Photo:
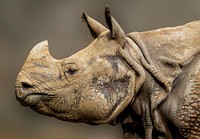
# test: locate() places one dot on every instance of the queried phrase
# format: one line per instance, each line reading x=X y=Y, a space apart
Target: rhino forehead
x=99 y=47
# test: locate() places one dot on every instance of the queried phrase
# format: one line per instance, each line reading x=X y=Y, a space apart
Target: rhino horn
x=94 y=26
x=117 y=32
x=39 y=51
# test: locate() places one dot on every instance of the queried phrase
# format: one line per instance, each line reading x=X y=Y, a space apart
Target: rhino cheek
x=94 y=108
x=66 y=104
x=101 y=101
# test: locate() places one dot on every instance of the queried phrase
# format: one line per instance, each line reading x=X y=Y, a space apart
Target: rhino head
x=92 y=86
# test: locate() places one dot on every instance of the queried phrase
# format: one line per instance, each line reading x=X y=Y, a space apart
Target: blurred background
x=24 y=23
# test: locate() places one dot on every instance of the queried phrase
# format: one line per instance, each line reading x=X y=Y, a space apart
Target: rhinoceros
x=149 y=82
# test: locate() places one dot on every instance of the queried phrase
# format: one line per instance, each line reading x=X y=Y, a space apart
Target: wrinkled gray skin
x=148 y=82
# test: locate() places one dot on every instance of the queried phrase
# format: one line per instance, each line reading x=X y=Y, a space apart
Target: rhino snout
x=27 y=94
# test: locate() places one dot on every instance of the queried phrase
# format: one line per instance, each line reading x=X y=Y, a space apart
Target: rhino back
x=170 y=48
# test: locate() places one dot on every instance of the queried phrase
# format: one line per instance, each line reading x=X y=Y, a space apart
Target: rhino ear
x=94 y=26
x=117 y=32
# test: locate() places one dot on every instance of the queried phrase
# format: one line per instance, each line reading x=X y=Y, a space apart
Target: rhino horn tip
x=41 y=45
x=41 y=49
x=45 y=43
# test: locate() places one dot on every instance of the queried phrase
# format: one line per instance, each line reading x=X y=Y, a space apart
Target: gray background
x=24 y=23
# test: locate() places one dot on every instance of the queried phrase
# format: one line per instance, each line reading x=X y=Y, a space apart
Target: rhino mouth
x=32 y=99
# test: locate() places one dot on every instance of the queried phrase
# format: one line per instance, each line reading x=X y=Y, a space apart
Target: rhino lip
x=33 y=98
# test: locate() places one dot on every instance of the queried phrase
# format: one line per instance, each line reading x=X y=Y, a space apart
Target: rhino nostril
x=26 y=86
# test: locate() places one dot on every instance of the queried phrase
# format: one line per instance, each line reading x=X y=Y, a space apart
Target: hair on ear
x=92 y=32
x=94 y=26
x=109 y=20
x=116 y=31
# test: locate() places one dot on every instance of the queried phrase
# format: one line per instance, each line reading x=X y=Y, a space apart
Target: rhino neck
x=142 y=102
x=143 y=119
x=153 y=90
x=136 y=120
x=149 y=64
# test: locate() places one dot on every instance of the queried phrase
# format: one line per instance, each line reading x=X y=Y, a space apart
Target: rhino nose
x=22 y=89
x=26 y=85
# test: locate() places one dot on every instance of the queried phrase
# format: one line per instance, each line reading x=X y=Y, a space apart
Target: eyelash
x=71 y=71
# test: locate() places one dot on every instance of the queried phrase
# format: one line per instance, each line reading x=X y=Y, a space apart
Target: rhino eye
x=71 y=71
